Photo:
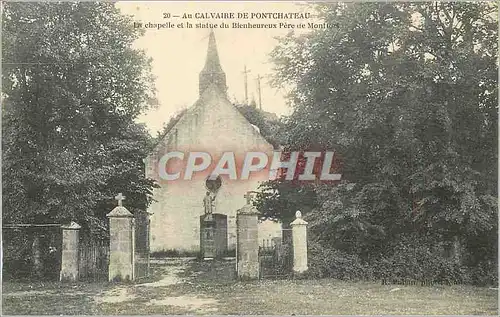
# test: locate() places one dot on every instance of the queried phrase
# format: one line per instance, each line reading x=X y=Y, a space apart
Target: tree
x=72 y=89
x=170 y=124
x=267 y=127
x=407 y=95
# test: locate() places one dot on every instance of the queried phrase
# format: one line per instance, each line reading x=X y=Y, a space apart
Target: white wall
x=212 y=125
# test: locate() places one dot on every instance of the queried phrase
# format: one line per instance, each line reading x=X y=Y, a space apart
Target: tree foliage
x=406 y=94
x=72 y=89
x=267 y=127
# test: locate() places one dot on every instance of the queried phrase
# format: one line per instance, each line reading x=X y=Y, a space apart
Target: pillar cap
x=71 y=226
x=298 y=219
x=247 y=210
x=120 y=212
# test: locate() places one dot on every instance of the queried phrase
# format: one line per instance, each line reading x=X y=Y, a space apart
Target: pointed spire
x=212 y=63
x=212 y=72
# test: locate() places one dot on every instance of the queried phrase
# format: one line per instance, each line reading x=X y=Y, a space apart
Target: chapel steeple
x=212 y=73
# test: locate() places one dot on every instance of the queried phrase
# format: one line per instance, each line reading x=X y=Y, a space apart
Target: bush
x=336 y=264
x=484 y=274
x=409 y=260
x=421 y=264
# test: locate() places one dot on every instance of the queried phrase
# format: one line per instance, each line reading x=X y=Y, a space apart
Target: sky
x=179 y=54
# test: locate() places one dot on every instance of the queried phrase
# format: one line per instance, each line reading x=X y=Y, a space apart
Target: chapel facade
x=212 y=125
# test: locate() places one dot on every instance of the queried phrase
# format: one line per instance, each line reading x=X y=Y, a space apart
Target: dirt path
x=157 y=293
x=190 y=287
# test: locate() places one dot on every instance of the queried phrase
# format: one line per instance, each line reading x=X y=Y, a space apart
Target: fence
x=141 y=248
x=34 y=251
x=31 y=251
x=93 y=254
x=276 y=258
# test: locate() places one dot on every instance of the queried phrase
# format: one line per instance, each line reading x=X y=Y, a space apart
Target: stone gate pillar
x=247 y=248
x=121 y=243
x=69 y=254
x=299 y=233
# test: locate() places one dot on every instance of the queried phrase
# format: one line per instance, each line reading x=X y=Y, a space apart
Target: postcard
x=250 y=158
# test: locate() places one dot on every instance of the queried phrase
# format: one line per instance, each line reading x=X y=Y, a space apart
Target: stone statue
x=209 y=203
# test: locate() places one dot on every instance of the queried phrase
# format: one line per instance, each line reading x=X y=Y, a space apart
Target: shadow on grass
x=50 y=298
x=210 y=271
x=216 y=282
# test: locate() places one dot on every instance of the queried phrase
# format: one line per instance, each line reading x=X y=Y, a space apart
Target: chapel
x=212 y=125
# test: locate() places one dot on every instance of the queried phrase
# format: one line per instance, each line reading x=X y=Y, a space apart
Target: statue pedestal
x=207 y=239
x=213 y=235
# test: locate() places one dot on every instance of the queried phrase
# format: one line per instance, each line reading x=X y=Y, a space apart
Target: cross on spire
x=211 y=30
x=120 y=198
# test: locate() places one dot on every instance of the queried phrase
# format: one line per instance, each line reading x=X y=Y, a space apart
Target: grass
x=210 y=288
x=54 y=298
